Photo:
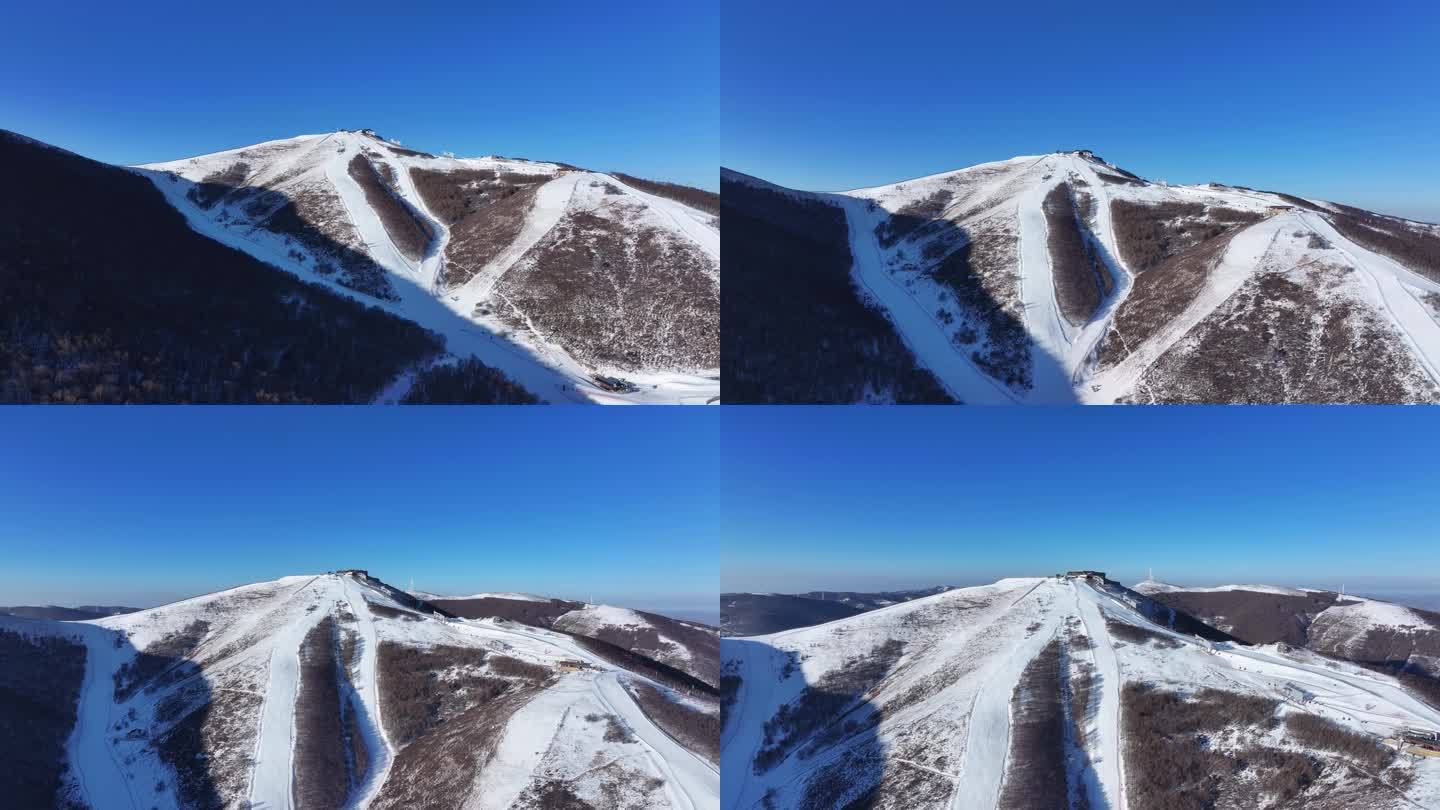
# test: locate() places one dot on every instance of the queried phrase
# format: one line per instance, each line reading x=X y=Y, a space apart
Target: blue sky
x=881 y=498
x=140 y=506
x=1323 y=99
x=630 y=86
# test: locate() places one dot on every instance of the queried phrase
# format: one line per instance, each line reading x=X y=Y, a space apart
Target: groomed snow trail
x=366 y=684
x=1240 y=262
x=1392 y=285
x=982 y=770
x=1105 y=754
x=535 y=361
x=691 y=783
x=927 y=338
x=272 y=776
x=741 y=736
x=98 y=772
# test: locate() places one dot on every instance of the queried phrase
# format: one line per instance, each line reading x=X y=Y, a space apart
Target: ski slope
x=252 y=649
x=316 y=167
x=271 y=779
x=945 y=706
x=1064 y=362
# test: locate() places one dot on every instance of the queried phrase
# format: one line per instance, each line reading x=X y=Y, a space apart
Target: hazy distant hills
x=80 y=613
x=750 y=614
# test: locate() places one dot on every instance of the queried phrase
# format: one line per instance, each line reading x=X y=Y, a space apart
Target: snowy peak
x=338 y=689
x=1064 y=278
x=998 y=695
x=686 y=647
x=577 y=285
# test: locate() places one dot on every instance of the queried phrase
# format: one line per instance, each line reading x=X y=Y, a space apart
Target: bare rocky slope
x=337 y=690
x=1064 y=278
x=1059 y=692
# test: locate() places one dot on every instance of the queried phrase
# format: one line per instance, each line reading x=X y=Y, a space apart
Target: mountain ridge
x=1066 y=691
x=339 y=689
x=1064 y=278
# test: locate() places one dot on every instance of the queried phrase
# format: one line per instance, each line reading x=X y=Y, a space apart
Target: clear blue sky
x=881 y=498
x=627 y=86
x=1324 y=99
x=139 y=506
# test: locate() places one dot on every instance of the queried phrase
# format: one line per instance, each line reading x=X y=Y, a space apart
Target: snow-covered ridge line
x=1006 y=199
x=311 y=174
x=945 y=706
x=250 y=641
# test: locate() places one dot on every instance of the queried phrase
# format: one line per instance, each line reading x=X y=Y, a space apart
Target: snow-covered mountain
x=1064 y=278
x=1057 y=692
x=575 y=284
x=751 y=614
x=688 y=647
x=1355 y=628
x=338 y=690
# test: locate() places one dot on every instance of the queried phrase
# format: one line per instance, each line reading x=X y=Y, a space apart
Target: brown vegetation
x=420 y=688
x=410 y=233
x=40 y=680
x=699 y=199
x=317 y=220
x=1318 y=732
x=1158 y=296
x=1139 y=635
x=618 y=293
x=975 y=275
x=454 y=195
x=219 y=183
x=1170 y=763
x=164 y=661
x=695 y=729
x=1078 y=272
x=477 y=240
x=639 y=664
x=912 y=216
x=1251 y=616
x=823 y=710
x=1254 y=349
x=439 y=768
x=1413 y=247
x=796 y=330
x=525 y=611
x=201 y=749
x=1036 y=775
x=1150 y=233
x=321 y=775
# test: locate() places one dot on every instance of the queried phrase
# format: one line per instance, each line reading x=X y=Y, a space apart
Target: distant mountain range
x=750 y=614
x=79 y=613
x=342 y=267
x=1063 y=278
x=338 y=690
x=1074 y=691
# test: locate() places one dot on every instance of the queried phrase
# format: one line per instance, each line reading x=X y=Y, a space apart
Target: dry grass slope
x=409 y=233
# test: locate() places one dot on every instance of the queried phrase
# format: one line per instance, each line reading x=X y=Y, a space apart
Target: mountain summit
x=338 y=690
x=1065 y=691
x=563 y=278
x=1064 y=278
